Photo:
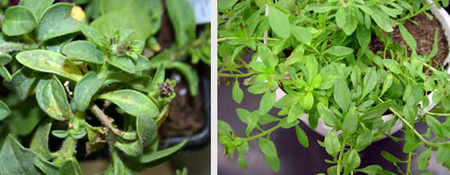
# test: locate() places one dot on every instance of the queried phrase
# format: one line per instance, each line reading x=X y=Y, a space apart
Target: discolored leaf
x=49 y=62
x=52 y=99
x=132 y=102
x=56 y=22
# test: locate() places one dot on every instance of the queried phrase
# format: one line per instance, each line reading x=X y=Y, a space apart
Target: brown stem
x=106 y=121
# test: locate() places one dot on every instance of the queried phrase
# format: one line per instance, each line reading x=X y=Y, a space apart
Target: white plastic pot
x=443 y=17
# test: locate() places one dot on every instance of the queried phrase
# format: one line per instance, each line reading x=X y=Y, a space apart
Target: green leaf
x=434 y=125
x=267 y=56
x=132 y=102
x=83 y=51
x=442 y=154
x=370 y=81
x=308 y=101
x=162 y=155
x=52 y=98
x=190 y=74
x=183 y=20
x=381 y=19
x=424 y=159
x=270 y=153
x=128 y=18
x=332 y=145
x=85 y=89
x=223 y=5
x=351 y=121
x=60 y=133
x=341 y=17
x=339 y=51
x=133 y=148
x=56 y=22
x=15 y=159
x=294 y=113
x=372 y=169
x=377 y=111
x=342 y=94
x=22 y=82
x=70 y=167
x=392 y=65
x=363 y=35
x=49 y=62
x=363 y=141
x=39 y=143
x=389 y=157
x=353 y=161
x=301 y=136
x=279 y=22
x=267 y=102
x=237 y=93
x=302 y=34
x=18 y=20
x=287 y=101
x=117 y=167
x=409 y=39
x=328 y=116
x=387 y=83
x=37 y=7
x=94 y=36
x=4 y=110
x=146 y=129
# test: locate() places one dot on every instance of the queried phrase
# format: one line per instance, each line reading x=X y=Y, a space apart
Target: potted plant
x=85 y=79
x=355 y=71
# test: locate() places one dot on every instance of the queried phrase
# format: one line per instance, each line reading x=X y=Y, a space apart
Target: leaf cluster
x=317 y=53
x=81 y=72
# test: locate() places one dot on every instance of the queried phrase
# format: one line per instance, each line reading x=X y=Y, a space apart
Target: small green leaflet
x=57 y=21
x=409 y=39
x=302 y=34
x=85 y=90
x=267 y=102
x=342 y=94
x=84 y=51
x=4 y=110
x=279 y=22
x=161 y=155
x=351 y=121
x=332 y=145
x=270 y=152
x=237 y=93
x=301 y=136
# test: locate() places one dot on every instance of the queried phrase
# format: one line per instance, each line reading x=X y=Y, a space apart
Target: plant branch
x=263 y=133
x=106 y=121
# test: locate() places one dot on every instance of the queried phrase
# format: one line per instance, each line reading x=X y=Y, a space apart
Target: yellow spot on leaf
x=77 y=13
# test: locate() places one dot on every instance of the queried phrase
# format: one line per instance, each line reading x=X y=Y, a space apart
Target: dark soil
x=423 y=32
x=185 y=112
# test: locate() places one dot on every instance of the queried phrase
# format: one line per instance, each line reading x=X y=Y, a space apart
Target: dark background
x=294 y=158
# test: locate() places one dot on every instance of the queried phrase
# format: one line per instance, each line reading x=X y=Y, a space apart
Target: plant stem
x=235 y=38
x=263 y=133
x=236 y=75
x=433 y=144
x=106 y=121
x=68 y=148
x=408 y=169
x=423 y=9
x=341 y=155
x=436 y=114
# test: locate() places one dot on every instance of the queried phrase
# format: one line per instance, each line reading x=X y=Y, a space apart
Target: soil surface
x=185 y=112
x=423 y=32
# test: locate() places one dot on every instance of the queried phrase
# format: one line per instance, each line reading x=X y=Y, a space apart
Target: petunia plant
x=77 y=82
x=318 y=54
